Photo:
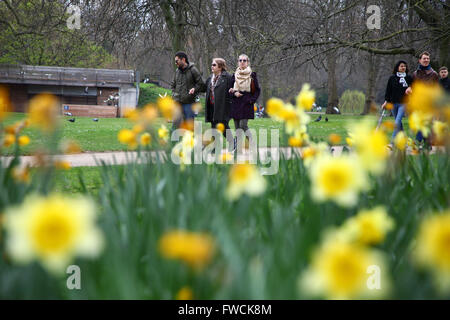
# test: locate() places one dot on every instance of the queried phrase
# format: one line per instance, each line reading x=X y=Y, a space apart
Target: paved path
x=91 y=159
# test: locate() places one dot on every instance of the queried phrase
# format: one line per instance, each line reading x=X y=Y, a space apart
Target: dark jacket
x=220 y=110
x=395 y=91
x=184 y=81
x=243 y=107
x=426 y=75
x=445 y=83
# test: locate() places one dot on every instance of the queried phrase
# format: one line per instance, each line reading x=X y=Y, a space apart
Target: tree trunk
x=174 y=15
x=333 y=99
x=371 y=83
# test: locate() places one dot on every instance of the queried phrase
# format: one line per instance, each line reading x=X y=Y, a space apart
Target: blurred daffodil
x=52 y=229
x=369 y=227
x=43 y=112
x=337 y=178
x=194 y=249
x=433 y=248
x=146 y=139
x=163 y=133
x=8 y=140
x=169 y=108
x=23 y=140
x=306 y=98
x=370 y=145
x=185 y=293
x=339 y=270
x=21 y=174
x=128 y=137
x=245 y=178
x=400 y=141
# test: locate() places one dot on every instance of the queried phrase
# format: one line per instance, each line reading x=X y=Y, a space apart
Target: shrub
x=352 y=101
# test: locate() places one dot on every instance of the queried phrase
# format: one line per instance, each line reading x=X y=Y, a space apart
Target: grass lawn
x=102 y=135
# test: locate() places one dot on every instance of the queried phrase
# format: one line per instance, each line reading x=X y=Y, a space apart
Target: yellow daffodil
x=306 y=98
x=43 y=112
x=369 y=227
x=400 y=141
x=388 y=125
x=245 y=178
x=294 y=119
x=350 y=140
x=337 y=178
x=13 y=128
x=23 y=140
x=62 y=165
x=197 y=107
x=423 y=98
x=220 y=127
x=334 y=139
x=163 y=133
x=370 y=146
x=185 y=293
x=226 y=157
x=295 y=142
x=441 y=132
x=187 y=125
x=420 y=121
x=52 y=229
x=70 y=147
x=194 y=249
x=8 y=140
x=146 y=139
x=21 y=174
x=131 y=114
x=138 y=128
x=339 y=270
x=274 y=107
x=182 y=151
x=433 y=248
x=127 y=137
x=149 y=113
x=168 y=107
x=313 y=151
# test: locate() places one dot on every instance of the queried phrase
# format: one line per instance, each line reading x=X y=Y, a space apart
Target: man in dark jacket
x=426 y=74
x=445 y=83
x=186 y=85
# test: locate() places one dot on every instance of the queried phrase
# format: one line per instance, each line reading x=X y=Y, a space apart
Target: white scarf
x=242 y=80
x=402 y=81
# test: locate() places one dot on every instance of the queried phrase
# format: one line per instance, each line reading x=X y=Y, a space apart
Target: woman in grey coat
x=218 y=99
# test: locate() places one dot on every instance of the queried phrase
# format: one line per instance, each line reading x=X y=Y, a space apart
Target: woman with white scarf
x=245 y=92
x=395 y=93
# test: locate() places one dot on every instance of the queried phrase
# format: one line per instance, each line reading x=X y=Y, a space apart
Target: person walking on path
x=445 y=83
x=186 y=85
x=425 y=74
x=218 y=99
x=397 y=85
x=245 y=92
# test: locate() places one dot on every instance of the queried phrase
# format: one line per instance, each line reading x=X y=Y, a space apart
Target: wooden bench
x=93 y=111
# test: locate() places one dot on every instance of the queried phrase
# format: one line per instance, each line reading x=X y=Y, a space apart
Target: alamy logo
x=374 y=21
x=74 y=21
x=74 y=280
x=374 y=280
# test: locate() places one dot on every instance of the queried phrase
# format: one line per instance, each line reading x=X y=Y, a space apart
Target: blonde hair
x=245 y=56
x=221 y=63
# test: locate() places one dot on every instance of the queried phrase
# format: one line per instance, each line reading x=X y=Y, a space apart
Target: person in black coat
x=395 y=93
x=443 y=75
x=218 y=99
x=245 y=92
